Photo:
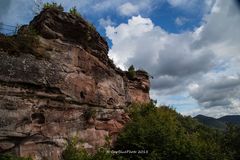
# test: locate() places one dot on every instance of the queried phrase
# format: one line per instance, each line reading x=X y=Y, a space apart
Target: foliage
x=24 y=42
x=74 y=12
x=102 y=154
x=53 y=5
x=131 y=72
x=73 y=152
x=231 y=142
x=162 y=134
x=39 y=6
x=91 y=26
x=12 y=157
x=166 y=135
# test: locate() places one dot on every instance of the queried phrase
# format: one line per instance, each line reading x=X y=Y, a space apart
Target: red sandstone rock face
x=75 y=91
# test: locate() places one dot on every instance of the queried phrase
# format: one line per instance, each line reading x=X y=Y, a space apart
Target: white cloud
x=181 y=3
x=122 y=36
x=128 y=9
x=154 y=49
x=179 y=62
x=192 y=6
x=203 y=64
x=181 y=21
x=10 y=12
x=106 y=22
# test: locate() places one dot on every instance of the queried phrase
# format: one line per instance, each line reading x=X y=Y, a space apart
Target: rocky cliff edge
x=61 y=84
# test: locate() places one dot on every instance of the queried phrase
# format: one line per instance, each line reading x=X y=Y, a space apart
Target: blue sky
x=191 y=48
x=161 y=12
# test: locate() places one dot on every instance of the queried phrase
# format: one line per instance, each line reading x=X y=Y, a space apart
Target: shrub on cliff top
x=74 y=12
x=131 y=72
x=53 y=5
x=24 y=42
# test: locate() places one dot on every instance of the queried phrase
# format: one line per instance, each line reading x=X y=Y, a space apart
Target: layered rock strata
x=68 y=88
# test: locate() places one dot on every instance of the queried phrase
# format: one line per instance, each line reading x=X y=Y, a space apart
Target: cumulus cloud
x=217 y=90
x=105 y=22
x=134 y=7
x=202 y=64
x=141 y=43
x=128 y=9
x=220 y=29
x=181 y=21
x=200 y=67
x=182 y=3
x=193 y=5
x=10 y=12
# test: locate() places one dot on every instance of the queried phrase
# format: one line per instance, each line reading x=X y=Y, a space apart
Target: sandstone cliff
x=60 y=87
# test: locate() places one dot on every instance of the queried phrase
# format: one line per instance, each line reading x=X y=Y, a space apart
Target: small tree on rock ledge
x=131 y=72
x=74 y=11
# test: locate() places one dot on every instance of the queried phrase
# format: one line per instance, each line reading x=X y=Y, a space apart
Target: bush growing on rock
x=53 y=5
x=73 y=152
x=25 y=41
x=131 y=72
x=74 y=12
x=12 y=157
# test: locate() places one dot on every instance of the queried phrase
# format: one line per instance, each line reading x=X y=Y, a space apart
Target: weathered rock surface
x=75 y=90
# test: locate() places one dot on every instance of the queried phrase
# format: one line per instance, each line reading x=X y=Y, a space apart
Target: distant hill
x=210 y=121
x=233 y=119
x=219 y=123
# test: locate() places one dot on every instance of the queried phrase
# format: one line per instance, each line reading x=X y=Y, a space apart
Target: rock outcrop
x=67 y=88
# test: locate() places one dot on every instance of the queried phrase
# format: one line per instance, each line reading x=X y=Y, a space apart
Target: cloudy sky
x=191 y=48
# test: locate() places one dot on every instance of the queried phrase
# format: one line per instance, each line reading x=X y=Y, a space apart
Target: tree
x=53 y=5
x=167 y=135
x=12 y=157
x=74 y=12
x=131 y=72
x=39 y=6
x=72 y=152
x=231 y=142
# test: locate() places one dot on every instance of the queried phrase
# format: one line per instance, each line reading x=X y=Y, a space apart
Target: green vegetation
x=24 y=42
x=73 y=152
x=166 y=135
x=53 y=5
x=74 y=12
x=91 y=26
x=231 y=142
x=12 y=157
x=131 y=72
x=160 y=133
